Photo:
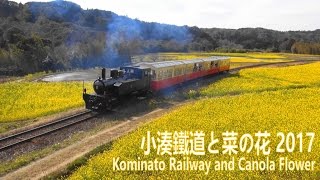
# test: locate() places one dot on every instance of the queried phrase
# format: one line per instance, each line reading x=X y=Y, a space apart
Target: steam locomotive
x=149 y=76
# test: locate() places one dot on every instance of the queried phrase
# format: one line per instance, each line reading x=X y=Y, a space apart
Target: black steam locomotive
x=122 y=82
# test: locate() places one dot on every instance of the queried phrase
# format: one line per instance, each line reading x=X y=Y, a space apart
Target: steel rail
x=34 y=130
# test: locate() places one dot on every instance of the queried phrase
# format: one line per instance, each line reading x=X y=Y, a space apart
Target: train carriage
x=165 y=74
x=169 y=73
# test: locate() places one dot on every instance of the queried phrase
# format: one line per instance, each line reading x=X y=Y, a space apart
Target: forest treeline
x=305 y=48
x=39 y=36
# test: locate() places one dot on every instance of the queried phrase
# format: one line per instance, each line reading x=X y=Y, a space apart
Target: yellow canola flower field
x=27 y=100
x=266 y=55
x=293 y=105
x=254 y=60
x=263 y=79
x=255 y=55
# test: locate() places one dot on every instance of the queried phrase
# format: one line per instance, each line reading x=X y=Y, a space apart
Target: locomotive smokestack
x=103 y=73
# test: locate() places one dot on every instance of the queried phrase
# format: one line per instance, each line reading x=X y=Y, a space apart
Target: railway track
x=10 y=141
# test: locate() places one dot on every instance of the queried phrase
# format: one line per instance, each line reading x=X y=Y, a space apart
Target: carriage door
x=146 y=78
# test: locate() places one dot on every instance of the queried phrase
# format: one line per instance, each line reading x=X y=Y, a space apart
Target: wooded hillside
x=39 y=36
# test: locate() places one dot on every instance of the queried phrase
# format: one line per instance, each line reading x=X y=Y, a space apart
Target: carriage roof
x=163 y=64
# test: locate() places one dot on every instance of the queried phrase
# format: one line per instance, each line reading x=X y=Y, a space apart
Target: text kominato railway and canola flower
x=242 y=164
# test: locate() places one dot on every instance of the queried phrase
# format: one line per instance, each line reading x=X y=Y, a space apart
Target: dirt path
x=60 y=159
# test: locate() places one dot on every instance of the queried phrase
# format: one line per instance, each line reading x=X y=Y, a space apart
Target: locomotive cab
x=132 y=72
x=135 y=79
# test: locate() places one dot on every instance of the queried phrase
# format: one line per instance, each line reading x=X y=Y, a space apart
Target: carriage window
x=211 y=64
x=177 y=72
x=169 y=73
x=190 y=68
x=195 y=67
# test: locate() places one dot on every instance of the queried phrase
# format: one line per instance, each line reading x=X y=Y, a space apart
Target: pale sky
x=281 y=15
